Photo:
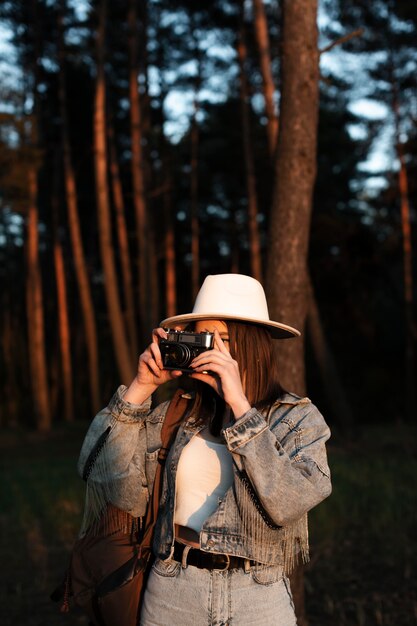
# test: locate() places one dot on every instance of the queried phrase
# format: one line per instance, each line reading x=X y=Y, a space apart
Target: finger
x=159 y=333
x=215 y=354
x=156 y=353
x=217 y=368
x=218 y=341
x=211 y=356
x=151 y=364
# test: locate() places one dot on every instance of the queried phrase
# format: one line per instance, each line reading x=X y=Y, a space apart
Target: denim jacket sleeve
x=284 y=458
x=125 y=421
x=124 y=468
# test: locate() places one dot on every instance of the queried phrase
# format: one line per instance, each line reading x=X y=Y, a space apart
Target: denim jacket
x=280 y=472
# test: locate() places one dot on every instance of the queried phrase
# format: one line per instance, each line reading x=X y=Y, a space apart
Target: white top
x=204 y=474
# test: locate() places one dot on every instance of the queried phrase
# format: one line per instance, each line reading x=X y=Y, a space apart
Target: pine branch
x=356 y=33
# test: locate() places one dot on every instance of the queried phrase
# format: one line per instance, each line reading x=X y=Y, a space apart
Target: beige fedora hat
x=232 y=297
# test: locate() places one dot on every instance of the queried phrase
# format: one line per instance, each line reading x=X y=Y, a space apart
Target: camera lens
x=177 y=355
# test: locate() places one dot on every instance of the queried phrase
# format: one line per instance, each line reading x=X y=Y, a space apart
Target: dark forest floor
x=363 y=569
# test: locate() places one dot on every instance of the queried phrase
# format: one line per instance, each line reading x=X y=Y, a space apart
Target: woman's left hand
x=221 y=373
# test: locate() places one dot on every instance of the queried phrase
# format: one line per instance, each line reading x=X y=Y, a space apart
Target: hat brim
x=276 y=329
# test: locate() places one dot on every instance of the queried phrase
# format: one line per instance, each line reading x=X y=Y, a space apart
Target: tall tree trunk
x=410 y=394
x=335 y=393
x=138 y=172
x=262 y=40
x=195 y=222
x=153 y=282
x=234 y=245
x=295 y=172
x=64 y=331
x=194 y=167
x=34 y=295
x=9 y=388
x=254 y=243
x=122 y=350
x=170 y=275
x=35 y=309
x=81 y=272
x=123 y=240
x=324 y=358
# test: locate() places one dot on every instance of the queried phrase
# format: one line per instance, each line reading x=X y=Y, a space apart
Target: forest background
x=144 y=145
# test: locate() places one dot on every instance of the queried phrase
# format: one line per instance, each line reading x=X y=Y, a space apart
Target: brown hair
x=251 y=346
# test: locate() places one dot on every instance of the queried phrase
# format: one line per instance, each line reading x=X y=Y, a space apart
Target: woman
x=247 y=464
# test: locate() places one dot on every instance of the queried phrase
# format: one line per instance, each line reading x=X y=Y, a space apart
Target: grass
x=363 y=538
x=41 y=501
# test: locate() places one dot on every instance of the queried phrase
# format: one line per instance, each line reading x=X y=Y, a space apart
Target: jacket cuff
x=247 y=427
x=127 y=411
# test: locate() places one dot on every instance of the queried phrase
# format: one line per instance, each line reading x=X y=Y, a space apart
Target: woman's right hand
x=150 y=367
x=150 y=372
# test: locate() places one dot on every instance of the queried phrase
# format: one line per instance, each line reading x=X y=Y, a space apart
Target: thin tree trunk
x=410 y=394
x=35 y=310
x=123 y=240
x=338 y=403
x=168 y=209
x=81 y=272
x=262 y=40
x=170 y=262
x=64 y=330
x=254 y=242
x=295 y=172
x=234 y=245
x=138 y=173
x=195 y=222
x=34 y=295
x=14 y=344
x=9 y=387
x=153 y=283
x=122 y=349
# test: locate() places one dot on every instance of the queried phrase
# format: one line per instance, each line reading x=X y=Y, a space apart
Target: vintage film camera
x=182 y=346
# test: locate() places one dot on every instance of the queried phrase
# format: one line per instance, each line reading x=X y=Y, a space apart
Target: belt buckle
x=223 y=569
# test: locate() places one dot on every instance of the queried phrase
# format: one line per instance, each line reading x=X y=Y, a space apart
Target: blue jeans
x=178 y=596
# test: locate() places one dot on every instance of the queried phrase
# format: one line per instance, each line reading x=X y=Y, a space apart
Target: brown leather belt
x=205 y=560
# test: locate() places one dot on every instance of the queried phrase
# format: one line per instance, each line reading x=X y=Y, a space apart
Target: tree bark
x=169 y=243
x=153 y=283
x=64 y=331
x=10 y=389
x=295 y=172
x=81 y=272
x=335 y=393
x=254 y=242
x=262 y=40
x=123 y=240
x=138 y=172
x=124 y=357
x=35 y=309
x=234 y=245
x=410 y=394
x=195 y=222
